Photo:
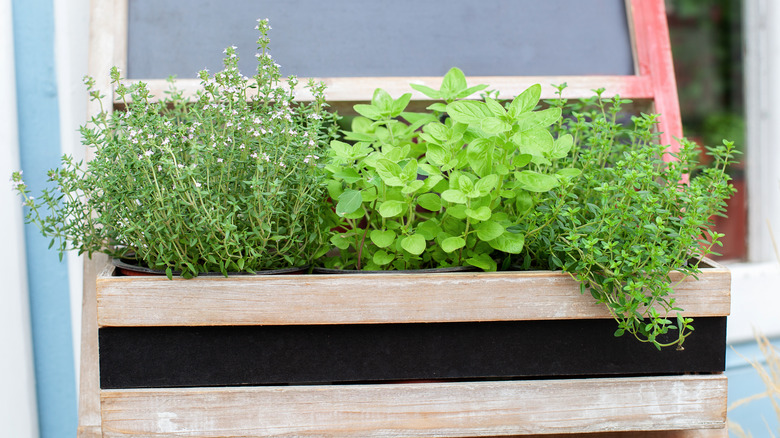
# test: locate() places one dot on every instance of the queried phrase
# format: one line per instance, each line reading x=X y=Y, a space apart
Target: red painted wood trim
x=654 y=58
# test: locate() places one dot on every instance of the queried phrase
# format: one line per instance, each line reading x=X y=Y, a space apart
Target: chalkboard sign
x=358 y=38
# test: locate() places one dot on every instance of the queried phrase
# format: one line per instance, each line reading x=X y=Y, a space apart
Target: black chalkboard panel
x=137 y=357
x=354 y=38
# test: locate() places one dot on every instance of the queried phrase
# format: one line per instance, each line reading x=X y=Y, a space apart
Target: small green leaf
x=392 y=208
x=521 y=160
x=382 y=101
x=451 y=244
x=454 y=196
x=428 y=91
x=349 y=201
x=479 y=154
x=483 y=261
x=494 y=125
x=429 y=201
x=453 y=83
x=382 y=258
x=414 y=244
x=523 y=202
x=341 y=150
x=436 y=155
x=368 y=111
x=400 y=104
x=535 y=181
x=457 y=211
x=340 y=241
x=412 y=187
x=508 y=242
x=349 y=175
x=382 y=238
x=536 y=142
x=480 y=214
x=438 y=106
x=468 y=111
x=471 y=90
x=409 y=171
x=489 y=230
x=429 y=229
x=495 y=107
x=525 y=101
x=486 y=184
x=436 y=130
x=562 y=146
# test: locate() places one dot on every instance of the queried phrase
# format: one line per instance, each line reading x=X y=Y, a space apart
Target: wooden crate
x=668 y=406
x=476 y=407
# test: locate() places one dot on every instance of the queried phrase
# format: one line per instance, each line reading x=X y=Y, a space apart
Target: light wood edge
x=361 y=89
x=375 y=298
x=701 y=433
x=687 y=402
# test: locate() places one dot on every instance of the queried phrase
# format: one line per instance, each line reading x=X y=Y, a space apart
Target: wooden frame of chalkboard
x=653 y=79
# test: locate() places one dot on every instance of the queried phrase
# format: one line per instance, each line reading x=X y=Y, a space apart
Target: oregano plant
x=445 y=187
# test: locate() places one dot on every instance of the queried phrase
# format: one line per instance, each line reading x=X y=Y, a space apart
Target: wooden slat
x=700 y=433
x=421 y=410
x=373 y=298
x=360 y=89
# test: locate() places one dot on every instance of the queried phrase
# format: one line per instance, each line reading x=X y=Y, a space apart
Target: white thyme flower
x=197 y=184
x=219 y=160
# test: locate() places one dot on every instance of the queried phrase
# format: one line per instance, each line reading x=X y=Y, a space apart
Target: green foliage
x=636 y=213
x=441 y=188
x=227 y=181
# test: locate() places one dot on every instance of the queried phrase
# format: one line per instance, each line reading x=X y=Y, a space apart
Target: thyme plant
x=636 y=213
x=226 y=181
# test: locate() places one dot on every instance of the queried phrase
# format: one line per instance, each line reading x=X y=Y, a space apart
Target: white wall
x=18 y=414
x=756 y=285
x=71 y=27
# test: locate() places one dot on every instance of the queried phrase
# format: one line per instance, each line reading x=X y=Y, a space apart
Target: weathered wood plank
x=359 y=89
x=373 y=298
x=701 y=433
x=421 y=410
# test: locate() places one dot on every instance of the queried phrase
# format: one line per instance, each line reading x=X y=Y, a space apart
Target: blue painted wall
x=39 y=143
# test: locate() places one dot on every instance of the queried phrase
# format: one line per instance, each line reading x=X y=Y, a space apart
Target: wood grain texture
x=373 y=298
x=421 y=410
x=700 y=433
x=361 y=89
